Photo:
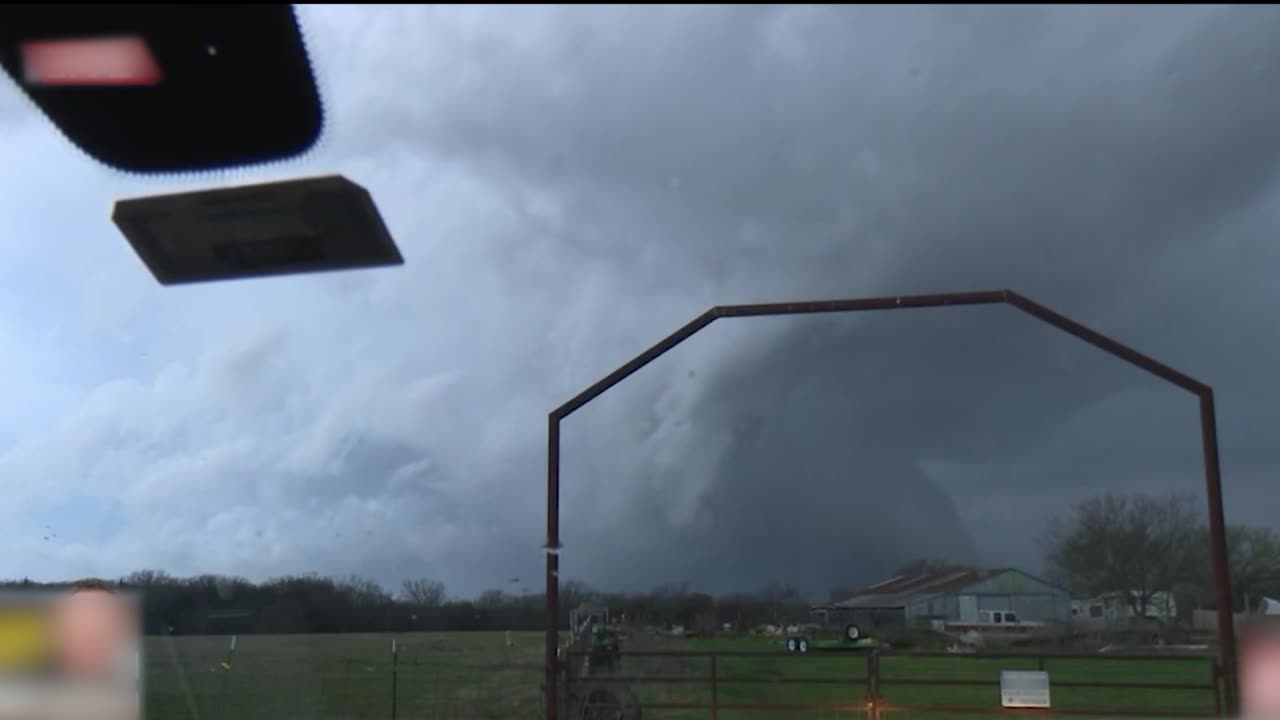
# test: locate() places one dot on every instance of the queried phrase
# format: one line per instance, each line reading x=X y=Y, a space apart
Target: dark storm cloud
x=992 y=133
x=1058 y=151
x=569 y=184
x=1091 y=158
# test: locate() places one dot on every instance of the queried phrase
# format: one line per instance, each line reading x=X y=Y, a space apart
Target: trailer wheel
x=793 y=644
x=802 y=645
x=852 y=633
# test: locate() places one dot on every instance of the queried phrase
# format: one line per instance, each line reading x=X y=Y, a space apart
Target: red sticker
x=94 y=61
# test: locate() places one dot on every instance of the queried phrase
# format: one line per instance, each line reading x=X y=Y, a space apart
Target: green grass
x=851 y=670
x=465 y=676
x=343 y=677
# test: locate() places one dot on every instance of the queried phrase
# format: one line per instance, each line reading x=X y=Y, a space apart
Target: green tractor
x=851 y=636
x=592 y=694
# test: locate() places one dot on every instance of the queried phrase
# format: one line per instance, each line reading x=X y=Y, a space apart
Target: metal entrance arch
x=1208 y=437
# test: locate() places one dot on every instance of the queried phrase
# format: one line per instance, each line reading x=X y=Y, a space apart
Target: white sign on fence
x=1024 y=689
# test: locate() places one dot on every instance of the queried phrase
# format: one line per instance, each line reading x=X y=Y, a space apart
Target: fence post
x=873 y=684
x=1215 y=671
x=394 y=667
x=226 y=670
x=715 y=692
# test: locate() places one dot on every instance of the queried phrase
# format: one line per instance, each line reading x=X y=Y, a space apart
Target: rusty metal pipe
x=1213 y=478
x=552 y=596
x=1221 y=559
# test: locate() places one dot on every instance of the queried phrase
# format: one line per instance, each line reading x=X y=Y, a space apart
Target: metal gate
x=763 y=684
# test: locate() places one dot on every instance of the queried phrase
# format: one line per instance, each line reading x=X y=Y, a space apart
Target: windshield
x=330 y=490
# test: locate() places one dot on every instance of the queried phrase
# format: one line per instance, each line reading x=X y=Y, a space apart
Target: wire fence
x=486 y=676
x=341 y=678
x=849 y=683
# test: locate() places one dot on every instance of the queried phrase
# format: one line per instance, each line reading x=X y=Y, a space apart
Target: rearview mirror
x=167 y=88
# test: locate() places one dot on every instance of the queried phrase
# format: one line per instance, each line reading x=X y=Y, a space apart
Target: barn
x=958 y=596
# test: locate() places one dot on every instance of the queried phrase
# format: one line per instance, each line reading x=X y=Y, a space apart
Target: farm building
x=961 y=596
x=1114 y=608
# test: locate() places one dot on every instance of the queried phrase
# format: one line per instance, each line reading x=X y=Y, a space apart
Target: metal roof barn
x=957 y=596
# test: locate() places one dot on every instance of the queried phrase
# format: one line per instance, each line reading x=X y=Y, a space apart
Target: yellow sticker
x=24 y=639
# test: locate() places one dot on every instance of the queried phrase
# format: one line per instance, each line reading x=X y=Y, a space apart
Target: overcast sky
x=569 y=185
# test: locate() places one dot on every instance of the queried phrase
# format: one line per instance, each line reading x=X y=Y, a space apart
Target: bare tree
x=573 y=592
x=1136 y=545
x=1255 y=564
x=363 y=590
x=424 y=592
x=148 y=578
x=782 y=602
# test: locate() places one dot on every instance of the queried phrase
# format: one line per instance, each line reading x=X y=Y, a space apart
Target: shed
x=953 y=596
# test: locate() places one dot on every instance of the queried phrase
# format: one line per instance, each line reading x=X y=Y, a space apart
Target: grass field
x=465 y=676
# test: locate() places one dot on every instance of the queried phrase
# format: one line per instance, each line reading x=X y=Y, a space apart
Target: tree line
x=1141 y=544
x=312 y=603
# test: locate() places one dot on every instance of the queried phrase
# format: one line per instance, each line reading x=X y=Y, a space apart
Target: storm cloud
x=569 y=185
